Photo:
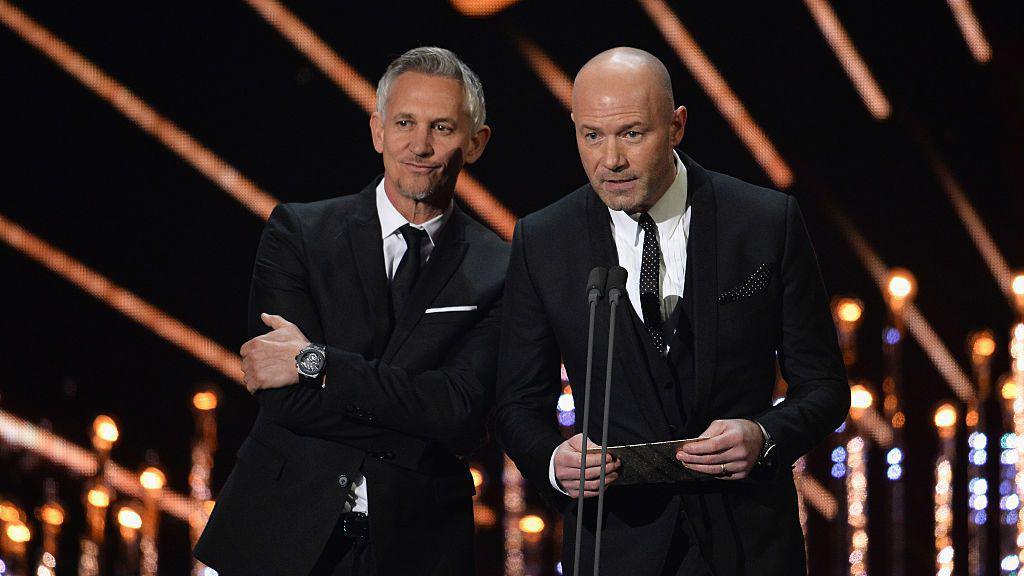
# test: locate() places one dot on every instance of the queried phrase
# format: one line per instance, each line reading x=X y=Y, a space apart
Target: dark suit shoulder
x=733 y=194
x=566 y=213
x=482 y=236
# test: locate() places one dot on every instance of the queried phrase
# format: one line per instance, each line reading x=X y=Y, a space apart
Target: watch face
x=311 y=362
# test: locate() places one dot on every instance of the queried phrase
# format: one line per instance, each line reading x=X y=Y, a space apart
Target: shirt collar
x=391 y=219
x=667 y=212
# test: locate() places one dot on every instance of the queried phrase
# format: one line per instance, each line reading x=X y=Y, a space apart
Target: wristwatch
x=766 y=459
x=311 y=360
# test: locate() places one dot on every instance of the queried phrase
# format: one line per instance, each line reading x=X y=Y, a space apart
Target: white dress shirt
x=394 y=249
x=672 y=216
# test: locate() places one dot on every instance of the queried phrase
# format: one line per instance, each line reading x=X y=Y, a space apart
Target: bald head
x=626 y=67
x=626 y=127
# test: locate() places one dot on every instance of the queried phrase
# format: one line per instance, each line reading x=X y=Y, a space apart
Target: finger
x=589 y=485
x=571 y=459
x=274 y=321
x=734 y=470
x=245 y=349
x=734 y=454
x=715 y=445
x=573 y=473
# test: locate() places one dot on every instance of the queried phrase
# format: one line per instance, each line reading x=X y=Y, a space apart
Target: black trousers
x=344 y=556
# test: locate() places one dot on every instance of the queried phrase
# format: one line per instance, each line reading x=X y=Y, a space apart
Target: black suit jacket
x=398 y=402
x=740 y=322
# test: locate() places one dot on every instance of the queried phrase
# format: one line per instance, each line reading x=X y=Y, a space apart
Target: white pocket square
x=450 y=309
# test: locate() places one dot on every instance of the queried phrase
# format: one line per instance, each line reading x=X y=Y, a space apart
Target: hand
x=268 y=361
x=567 y=467
x=728 y=449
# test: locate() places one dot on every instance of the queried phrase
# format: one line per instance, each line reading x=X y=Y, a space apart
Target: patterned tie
x=408 y=269
x=650 y=282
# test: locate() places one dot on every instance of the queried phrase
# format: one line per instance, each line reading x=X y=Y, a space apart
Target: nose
x=422 y=142
x=612 y=158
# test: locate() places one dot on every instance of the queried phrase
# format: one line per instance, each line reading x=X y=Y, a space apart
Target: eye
x=444 y=128
x=403 y=123
x=592 y=136
x=632 y=134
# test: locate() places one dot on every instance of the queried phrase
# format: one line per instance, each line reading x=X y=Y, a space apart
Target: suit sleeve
x=528 y=377
x=366 y=399
x=818 y=395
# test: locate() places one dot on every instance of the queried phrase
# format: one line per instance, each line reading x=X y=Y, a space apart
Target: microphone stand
x=616 y=286
x=595 y=290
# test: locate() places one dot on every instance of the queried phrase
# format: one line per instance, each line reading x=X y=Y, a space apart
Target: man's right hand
x=567 y=467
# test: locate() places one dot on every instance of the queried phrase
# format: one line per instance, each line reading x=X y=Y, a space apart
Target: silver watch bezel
x=305 y=353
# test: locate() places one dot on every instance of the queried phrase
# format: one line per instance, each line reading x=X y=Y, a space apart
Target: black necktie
x=650 y=281
x=408 y=269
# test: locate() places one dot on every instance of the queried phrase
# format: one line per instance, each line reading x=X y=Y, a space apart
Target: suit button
x=343 y=481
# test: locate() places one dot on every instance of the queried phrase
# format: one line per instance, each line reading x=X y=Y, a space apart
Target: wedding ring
x=724 y=471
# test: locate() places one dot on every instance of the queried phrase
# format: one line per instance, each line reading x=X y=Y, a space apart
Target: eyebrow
x=623 y=128
x=405 y=115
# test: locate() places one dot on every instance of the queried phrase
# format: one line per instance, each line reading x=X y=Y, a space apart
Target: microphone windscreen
x=616 y=279
x=596 y=281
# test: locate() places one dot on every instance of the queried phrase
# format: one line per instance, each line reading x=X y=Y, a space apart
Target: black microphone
x=595 y=291
x=615 y=287
x=595 y=283
x=616 y=284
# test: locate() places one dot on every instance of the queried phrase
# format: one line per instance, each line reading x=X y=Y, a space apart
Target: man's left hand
x=268 y=361
x=728 y=449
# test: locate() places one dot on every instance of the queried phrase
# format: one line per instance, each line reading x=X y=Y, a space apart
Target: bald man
x=722 y=280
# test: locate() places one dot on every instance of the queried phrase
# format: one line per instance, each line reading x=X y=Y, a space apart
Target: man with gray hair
x=374 y=328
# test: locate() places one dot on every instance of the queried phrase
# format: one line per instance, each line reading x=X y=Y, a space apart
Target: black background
x=84 y=178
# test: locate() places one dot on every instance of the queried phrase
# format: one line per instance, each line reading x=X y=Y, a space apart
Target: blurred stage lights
x=205 y=400
x=974 y=36
x=135 y=109
x=51 y=514
x=19 y=533
x=152 y=478
x=849 y=310
x=860 y=397
x=127 y=303
x=98 y=497
x=482 y=8
x=105 y=429
x=129 y=518
x=854 y=66
x=945 y=417
x=719 y=91
x=478 y=477
x=901 y=284
x=531 y=524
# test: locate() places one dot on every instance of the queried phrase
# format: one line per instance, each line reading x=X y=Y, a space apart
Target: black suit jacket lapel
x=628 y=347
x=702 y=259
x=444 y=261
x=367 y=251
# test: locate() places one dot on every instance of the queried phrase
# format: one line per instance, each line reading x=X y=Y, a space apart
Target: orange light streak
x=858 y=72
x=976 y=229
x=138 y=111
x=482 y=8
x=971 y=29
x=556 y=80
x=719 y=92
x=913 y=319
x=120 y=299
x=360 y=91
x=818 y=497
x=78 y=461
x=871 y=422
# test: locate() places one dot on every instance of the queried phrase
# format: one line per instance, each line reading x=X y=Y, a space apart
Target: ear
x=377 y=132
x=678 y=126
x=477 y=143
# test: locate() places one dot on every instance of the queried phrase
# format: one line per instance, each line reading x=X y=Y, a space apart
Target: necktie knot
x=648 y=225
x=413 y=236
